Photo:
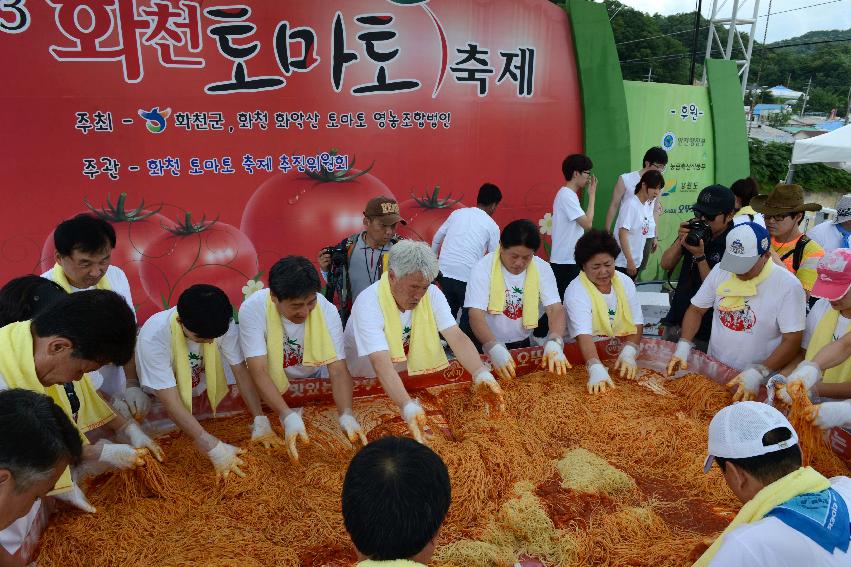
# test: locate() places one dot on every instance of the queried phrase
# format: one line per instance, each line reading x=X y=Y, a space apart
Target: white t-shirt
x=771 y=543
x=758 y=218
x=815 y=315
x=364 y=332
x=749 y=336
x=252 y=334
x=109 y=379
x=566 y=231
x=630 y=180
x=577 y=302
x=154 y=355
x=826 y=235
x=463 y=238
x=636 y=217
x=507 y=326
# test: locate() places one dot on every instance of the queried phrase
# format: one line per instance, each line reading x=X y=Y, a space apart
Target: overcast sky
x=829 y=15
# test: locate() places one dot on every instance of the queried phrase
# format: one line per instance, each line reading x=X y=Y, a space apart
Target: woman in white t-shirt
x=183 y=353
x=293 y=327
x=633 y=226
x=504 y=312
x=602 y=304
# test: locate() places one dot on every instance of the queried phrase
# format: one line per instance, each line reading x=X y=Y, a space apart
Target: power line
x=801 y=8
x=808 y=43
x=658 y=36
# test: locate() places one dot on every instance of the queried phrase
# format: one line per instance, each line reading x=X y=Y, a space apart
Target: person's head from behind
x=650 y=185
x=576 y=169
x=519 y=241
x=83 y=249
x=834 y=279
x=396 y=494
x=754 y=445
x=595 y=253
x=489 y=197
x=23 y=298
x=37 y=443
x=293 y=285
x=80 y=332
x=381 y=218
x=655 y=158
x=412 y=266
x=204 y=312
x=744 y=190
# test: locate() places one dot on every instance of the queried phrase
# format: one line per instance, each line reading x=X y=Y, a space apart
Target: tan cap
x=384 y=208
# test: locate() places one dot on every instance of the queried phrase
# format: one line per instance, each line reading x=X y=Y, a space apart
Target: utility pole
x=848 y=108
x=694 y=40
x=649 y=78
x=806 y=96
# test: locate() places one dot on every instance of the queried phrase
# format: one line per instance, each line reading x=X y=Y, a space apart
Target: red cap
x=834 y=275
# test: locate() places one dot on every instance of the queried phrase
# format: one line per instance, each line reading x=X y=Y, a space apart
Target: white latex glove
x=830 y=414
x=502 y=362
x=293 y=430
x=554 y=359
x=262 y=433
x=138 y=402
x=626 y=364
x=806 y=375
x=76 y=498
x=138 y=439
x=489 y=389
x=415 y=417
x=679 y=361
x=598 y=378
x=225 y=459
x=748 y=382
x=352 y=428
x=120 y=456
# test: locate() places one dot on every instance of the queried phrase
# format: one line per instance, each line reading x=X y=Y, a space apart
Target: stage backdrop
x=679 y=119
x=242 y=132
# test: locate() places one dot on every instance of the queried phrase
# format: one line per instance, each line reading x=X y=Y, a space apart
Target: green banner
x=677 y=118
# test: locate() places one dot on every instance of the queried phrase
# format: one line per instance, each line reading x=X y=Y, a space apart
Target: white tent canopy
x=833 y=149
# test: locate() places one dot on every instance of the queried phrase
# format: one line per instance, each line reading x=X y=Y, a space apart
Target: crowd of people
x=754 y=292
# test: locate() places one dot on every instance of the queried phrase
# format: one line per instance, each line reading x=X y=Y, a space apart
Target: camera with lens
x=338 y=254
x=698 y=230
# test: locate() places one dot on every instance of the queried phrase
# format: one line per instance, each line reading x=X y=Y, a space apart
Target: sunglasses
x=706 y=217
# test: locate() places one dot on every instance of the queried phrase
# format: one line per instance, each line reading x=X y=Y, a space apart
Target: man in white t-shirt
x=84 y=247
x=654 y=158
x=792 y=516
x=759 y=312
x=569 y=220
x=293 y=297
x=466 y=236
x=175 y=354
x=836 y=234
x=499 y=331
x=377 y=344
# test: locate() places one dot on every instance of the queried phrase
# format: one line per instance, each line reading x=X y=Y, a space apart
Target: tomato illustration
x=190 y=253
x=739 y=321
x=425 y=214
x=299 y=214
x=134 y=230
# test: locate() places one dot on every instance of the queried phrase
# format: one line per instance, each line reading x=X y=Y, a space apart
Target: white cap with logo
x=746 y=243
x=736 y=432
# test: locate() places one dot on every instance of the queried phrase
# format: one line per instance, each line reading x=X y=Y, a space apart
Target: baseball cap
x=384 y=208
x=714 y=200
x=736 y=432
x=843 y=209
x=834 y=274
x=746 y=243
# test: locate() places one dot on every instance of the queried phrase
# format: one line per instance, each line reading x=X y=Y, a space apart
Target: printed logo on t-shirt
x=406 y=338
x=645 y=227
x=612 y=313
x=739 y=321
x=513 y=303
x=195 y=363
x=293 y=353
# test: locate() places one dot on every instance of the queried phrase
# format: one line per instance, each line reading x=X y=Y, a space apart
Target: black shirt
x=690 y=282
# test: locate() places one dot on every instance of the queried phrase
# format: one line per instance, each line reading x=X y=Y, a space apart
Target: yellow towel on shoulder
x=802 y=481
x=733 y=290
x=425 y=353
x=59 y=277
x=214 y=372
x=823 y=336
x=601 y=325
x=531 y=291
x=318 y=347
x=18 y=369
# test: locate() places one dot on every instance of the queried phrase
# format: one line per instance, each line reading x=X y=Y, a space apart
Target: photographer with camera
x=358 y=261
x=700 y=245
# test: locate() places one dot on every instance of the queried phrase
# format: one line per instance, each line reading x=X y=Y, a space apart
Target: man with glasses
x=784 y=209
x=715 y=206
x=654 y=158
